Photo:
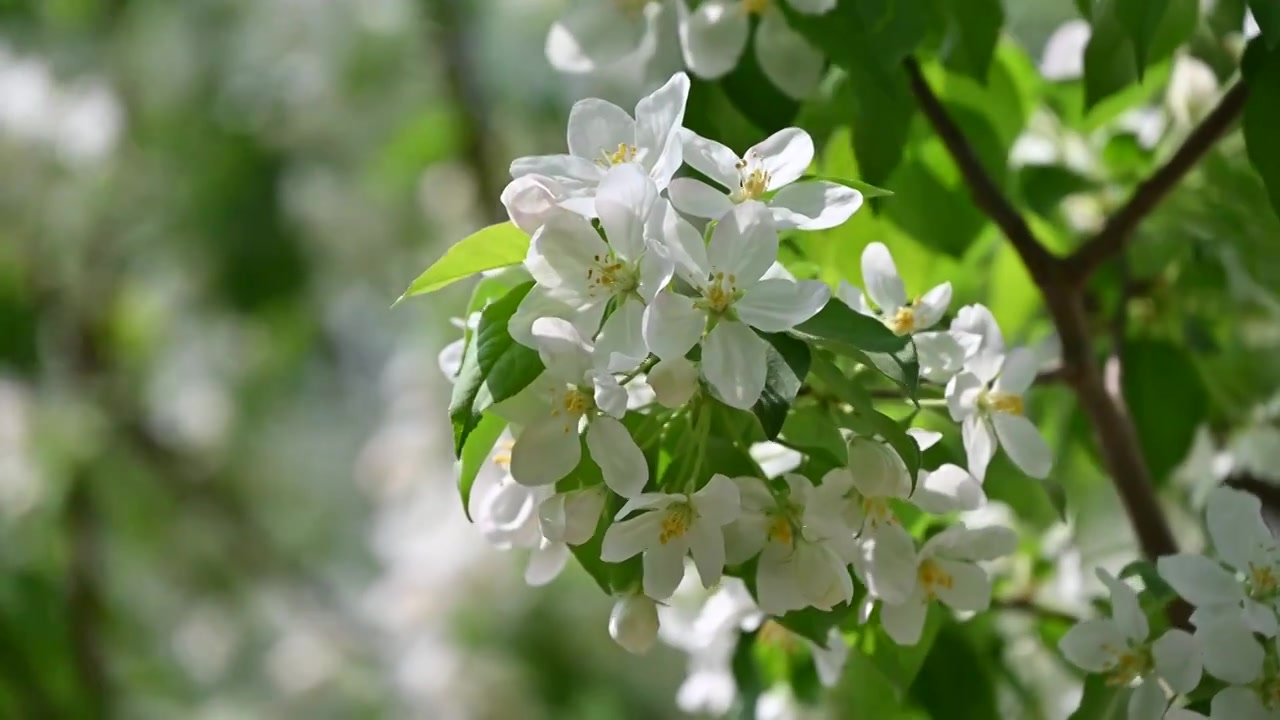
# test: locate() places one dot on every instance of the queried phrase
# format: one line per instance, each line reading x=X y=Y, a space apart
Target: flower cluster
x=1235 y=595
x=645 y=366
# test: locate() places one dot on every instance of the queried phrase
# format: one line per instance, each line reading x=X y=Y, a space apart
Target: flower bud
x=529 y=200
x=673 y=381
x=572 y=517
x=633 y=624
x=879 y=469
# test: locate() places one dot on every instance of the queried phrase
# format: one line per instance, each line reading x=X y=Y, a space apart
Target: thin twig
x=1119 y=228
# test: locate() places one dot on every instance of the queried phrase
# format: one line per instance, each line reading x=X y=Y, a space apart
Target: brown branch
x=1117 y=438
x=1117 y=232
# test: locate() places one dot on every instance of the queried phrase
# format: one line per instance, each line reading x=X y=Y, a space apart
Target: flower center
x=877 y=512
x=994 y=401
x=753 y=183
x=932 y=577
x=773 y=634
x=1263 y=581
x=502 y=458
x=611 y=275
x=903 y=321
x=755 y=7
x=570 y=405
x=624 y=154
x=1128 y=667
x=717 y=297
x=676 y=523
x=781 y=531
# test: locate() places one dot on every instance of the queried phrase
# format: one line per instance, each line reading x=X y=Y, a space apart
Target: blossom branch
x=1117 y=438
x=1119 y=228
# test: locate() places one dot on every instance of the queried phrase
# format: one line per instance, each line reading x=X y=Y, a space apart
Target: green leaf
x=1166 y=420
x=788 y=364
x=1111 y=57
x=1044 y=187
x=1261 y=117
x=867 y=189
x=814 y=624
x=811 y=431
x=475 y=453
x=746 y=674
x=1102 y=701
x=494 y=367
x=867 y=340
x=976 y=31
x=1140 y=20
x=1267 y=15
x=899 y=664
x=489 y=248
x=956 y=681
x=755 y=96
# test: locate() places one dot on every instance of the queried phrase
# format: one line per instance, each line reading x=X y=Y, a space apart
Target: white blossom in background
x=1248 y=587
x=1119 y=647
x=940 y=354
x=767 y=173
x=1192 y=91
x=944 y=568
x=571 y=391
x=714 y=35
x=633 y=623
x=593 y=34
x=669 y=527
x=733 y=302
x=602 y=135
x=1063 y=55
x=987 y=399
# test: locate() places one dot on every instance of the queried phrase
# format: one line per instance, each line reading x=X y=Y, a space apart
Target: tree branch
x=1117 y=438
x=1113 y=237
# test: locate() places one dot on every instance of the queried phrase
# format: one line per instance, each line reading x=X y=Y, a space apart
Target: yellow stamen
x=1127 y=667
x=624 y=154
x=932 y=577
x=775 y=635
x=781 y=530
x=676 y=523
x=877 y=512
x=719 y=296
x=1002 y=402
x=903 y=322
x=502 y=458
x=1262 y=579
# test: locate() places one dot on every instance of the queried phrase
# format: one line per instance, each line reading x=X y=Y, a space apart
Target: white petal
x=1093 y=645
x=1199 y=580
x=1238 y=703
x=890 y=564
x=633 y=623
x=1147 y=701
x=905 y=622
x=785 y=155
x=1230 y=652
x=852 y=296
x=779 y=305
x=542 y=303
x=925 y=439
x=626 y=539
x=699 y=199
x=735 y=363
x=712 y=159
x=931 y=307
x=545 y=563
x=530 y=200
x=948 y=489
x=663 y=569
x=684 y=244
x=877 y=470
x=744 y=244
x=565 y=354
x=880 y=277
x=674 y=381
x=1234 y=519
x=620 y=345
x=985 y=365
x=591 y=35
x=786 y=58
x=572 y=517
x=1024 y=444
x=978 y=320
x=712 y=37
x=814 y=205
x=830 y=660
x=1261 y=618
x=824 y=577
x=545 y=452
x=656 y=269
x=620 y=460
x=969 y=589
x=561 y=254
x=450 y=359
x=718 y=502
x=939 y=355
x=706 y=544
x=659 y=116
x=979 y=444
x=1125 y=609
x=597 y=127
x=745 y=537
x=813 y=7
x=623 y=201
x=776 y=582
x=648 y=501
x=610 y=397
x=672 y=325
x=1018 y=371
x=1177 y=658
x=960 y=542
x=575 y=174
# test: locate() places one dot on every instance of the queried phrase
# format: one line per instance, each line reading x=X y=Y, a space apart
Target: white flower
x=530 y=200
x=774 y=459
x=987 y=399
x=671 y=526
x=770 y=167
x=976 y=330
x=569 y=260
x=1119 y=647
x=804 y=548
x=940 y=355
x=592 y=35
x=944 y=569
x=602 y=135
x=674 y=381
x=1251 y=589
x=714 y=35
x=450 y=358
x=633 y=623
x=733 y=303
x=1232 y=653
x=573 y=389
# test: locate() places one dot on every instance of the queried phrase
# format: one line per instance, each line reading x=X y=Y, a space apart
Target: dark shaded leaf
x=1167 y=399
x=788 y=360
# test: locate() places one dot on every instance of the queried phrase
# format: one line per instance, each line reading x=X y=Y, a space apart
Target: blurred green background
x=225 y=478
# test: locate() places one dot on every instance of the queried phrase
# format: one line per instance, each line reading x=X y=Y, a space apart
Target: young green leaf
x=489 y=248
x=494 y=367
x=867 y=340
